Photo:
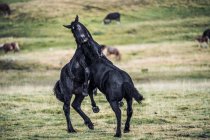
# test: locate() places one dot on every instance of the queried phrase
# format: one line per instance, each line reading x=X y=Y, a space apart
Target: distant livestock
x=111 y=51
x=7 y=47
x=112 y=16
x=206 y=33
x=5 y=9
x=204 y=39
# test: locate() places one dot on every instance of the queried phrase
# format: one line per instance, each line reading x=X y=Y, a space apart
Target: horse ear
x=67 y=26
x=77 y=18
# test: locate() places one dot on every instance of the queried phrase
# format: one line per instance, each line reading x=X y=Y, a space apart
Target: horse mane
x=86 y=30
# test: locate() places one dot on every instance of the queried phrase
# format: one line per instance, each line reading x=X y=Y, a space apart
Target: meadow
x=155 y=35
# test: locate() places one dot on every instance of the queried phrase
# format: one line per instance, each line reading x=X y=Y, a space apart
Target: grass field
x=154 y=35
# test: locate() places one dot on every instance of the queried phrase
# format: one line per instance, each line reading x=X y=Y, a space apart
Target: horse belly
x=78 y=72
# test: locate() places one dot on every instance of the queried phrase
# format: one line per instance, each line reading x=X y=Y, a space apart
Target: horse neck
x=88 y=52
x=77 y=52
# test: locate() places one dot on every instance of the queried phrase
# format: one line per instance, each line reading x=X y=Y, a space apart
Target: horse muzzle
x=83 y=40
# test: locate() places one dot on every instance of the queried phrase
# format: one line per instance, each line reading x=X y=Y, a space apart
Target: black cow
x=112 y=16
x=206 y=33
x=5 y=8
x=204 y=39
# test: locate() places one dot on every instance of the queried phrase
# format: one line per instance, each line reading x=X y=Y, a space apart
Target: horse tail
x=57 y=91
x=131 y=91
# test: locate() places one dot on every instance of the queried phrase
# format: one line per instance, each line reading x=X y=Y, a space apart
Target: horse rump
x=57 y=91
x=131 y=91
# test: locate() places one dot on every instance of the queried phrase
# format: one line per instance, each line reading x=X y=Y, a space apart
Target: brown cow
x=10 y=47
x=111 y=51
x=5 y=9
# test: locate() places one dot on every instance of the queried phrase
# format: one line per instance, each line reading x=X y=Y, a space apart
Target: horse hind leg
x=129 y=114
x=77 y=106
x=117 y=111
x=66 y=109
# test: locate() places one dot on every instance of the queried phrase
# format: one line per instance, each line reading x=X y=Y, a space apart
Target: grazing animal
x=112 y=16
x=5 y=9
x=73 y=80
x=206 y=33
x=10 y=47
x=111 y=51
x=204 y=39
x=113 y=82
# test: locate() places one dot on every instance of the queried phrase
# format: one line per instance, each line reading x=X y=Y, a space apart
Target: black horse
x=113 y=82
x=74 y=80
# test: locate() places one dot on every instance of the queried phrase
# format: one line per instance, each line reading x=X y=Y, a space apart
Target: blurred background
x=156 y=41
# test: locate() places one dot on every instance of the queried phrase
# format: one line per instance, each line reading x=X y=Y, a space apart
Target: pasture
x=154 y=35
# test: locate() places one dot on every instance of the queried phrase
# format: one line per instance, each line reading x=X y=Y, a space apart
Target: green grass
x=176 y=86
x=164 y=21
x=175 y=109
x=176 y=96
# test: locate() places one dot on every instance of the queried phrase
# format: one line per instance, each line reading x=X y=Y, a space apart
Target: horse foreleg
x=66 y=109
x=129 y=114
x=117 y=111
x=85 y=84
x=93 y=90
x=77 y=106
x=95 y=108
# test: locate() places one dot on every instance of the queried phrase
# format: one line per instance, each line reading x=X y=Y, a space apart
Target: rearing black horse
x=113 y=82
x=74 y=80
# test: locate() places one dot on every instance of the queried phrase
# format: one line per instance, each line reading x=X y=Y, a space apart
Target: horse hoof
x=90 y=126
x=126 y=130
x=72 y=131
x=95 y=109
x=121 y=104
x=117 y=135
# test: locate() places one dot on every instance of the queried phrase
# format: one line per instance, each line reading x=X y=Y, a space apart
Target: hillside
x=38 y=24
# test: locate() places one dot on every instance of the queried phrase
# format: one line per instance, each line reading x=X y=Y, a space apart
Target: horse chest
x=76 y=65
x=78 y=72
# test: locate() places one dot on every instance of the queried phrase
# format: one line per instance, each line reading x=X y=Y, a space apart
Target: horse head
x=80 y=32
